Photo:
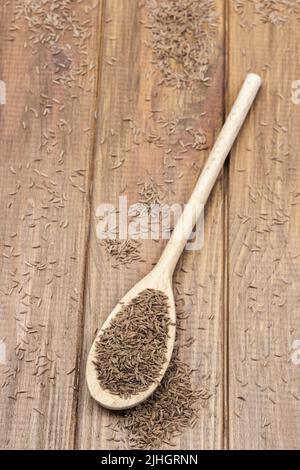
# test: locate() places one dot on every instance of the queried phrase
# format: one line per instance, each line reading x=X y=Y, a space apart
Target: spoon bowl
x=159 y=280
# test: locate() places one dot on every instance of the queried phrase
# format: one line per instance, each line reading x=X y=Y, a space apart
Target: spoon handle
x=210 y=173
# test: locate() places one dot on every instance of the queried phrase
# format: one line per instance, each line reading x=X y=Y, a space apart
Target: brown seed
x=164 y=416
x=183 y=39
x=132 y=350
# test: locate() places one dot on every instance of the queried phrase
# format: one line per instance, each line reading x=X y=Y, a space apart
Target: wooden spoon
x=160 y=278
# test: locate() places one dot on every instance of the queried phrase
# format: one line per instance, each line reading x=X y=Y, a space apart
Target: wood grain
x=241 y=291
x=44 y=185
x=129 y=90
x=264 y=268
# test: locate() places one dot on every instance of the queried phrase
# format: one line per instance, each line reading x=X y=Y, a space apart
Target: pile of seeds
x=275 y=11
x=160 y=419
x=199 y=138
x=123 y=251
x=132 y=350
x=183 y=36
x=56 y=25
x=270 y=11
x=151 y=193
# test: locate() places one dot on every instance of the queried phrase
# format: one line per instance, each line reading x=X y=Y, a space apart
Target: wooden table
x=61 y=138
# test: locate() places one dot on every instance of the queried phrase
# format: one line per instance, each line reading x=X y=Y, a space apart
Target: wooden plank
x=46 y=151
x=130 y=105
x=264 y=217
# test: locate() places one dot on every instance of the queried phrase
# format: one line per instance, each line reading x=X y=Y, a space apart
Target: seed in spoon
x=131 y=351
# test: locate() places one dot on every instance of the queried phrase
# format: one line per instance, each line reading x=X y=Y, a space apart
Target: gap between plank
x=226 y=242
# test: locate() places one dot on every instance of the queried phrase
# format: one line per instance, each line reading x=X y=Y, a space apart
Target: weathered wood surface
x=57 y=283
x=44 y=184
x=132 y=92
x=263 y=253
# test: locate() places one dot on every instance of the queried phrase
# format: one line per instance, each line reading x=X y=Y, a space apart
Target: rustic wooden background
x=58 y=285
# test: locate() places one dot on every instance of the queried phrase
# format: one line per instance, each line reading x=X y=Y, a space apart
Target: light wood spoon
x=160 y=278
